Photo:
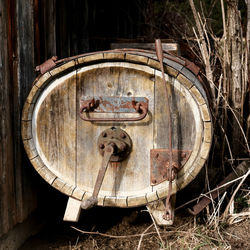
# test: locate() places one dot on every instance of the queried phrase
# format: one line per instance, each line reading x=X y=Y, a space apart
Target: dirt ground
x=128 y=225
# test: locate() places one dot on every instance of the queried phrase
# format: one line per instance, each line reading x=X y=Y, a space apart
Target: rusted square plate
x=159 y=160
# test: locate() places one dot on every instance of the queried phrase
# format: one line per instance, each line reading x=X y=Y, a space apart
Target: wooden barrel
x=63 y=148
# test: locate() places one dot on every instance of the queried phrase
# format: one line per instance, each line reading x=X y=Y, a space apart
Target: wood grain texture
x=136 y=58
x=54 y=127
x=7 y=177
x=114 y=79
x=68 y=146
x=173 y=47
x=90 y=58
x=73 y=210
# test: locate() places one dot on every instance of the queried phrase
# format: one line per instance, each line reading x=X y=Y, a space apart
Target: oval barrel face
x=65 y=149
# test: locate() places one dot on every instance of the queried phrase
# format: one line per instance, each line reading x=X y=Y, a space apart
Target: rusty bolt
x=122 y=135
x=104 y=134
x=183 y=155
x=122 y=146
x=112 y=144
x=154 y=181
x=101 y=146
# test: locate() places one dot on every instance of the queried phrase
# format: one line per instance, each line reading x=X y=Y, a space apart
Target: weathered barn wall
x=17 y=198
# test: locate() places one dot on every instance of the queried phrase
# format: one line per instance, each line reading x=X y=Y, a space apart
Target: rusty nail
x=123 y=136
x=101 y=146
x=104 y=134
x=123 y=146
x=108 y=150
x=157 y=155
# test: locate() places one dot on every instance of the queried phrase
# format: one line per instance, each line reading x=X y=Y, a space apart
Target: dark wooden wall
x=17 y=195
x=74 y=27
x=31 y=31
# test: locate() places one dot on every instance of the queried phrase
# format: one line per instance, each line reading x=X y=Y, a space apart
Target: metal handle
x=128 y=106
x=92 y=201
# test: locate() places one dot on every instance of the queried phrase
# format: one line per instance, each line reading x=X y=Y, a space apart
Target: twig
x=113 y=236
x=228 y=144
x=156 y=228
x=235 y=116
x=140 y=241
x=234 y=193
x=204 y=50
x=139 y=235
x=235 y=218
x=76 y=242
x=216 y=211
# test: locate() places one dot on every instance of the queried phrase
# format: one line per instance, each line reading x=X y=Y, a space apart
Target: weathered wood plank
x=48 y=28
x=54 y=124
x=114 y=79
x=73 y=210
x=90 y=58
x=26 y=199
x=7 y=190
x=183 y=133
x=136 y=58
x=174 y=47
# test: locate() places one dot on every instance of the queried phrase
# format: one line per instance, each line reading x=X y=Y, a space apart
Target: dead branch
x=204 y=50
x=235 y=191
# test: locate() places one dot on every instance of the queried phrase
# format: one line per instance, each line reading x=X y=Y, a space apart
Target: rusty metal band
x=175 y=58
x=159 y=53
x=178 y=59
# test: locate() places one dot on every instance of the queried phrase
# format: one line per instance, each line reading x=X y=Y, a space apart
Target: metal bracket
x=121 y=141
x=159 y=159
x=47 y=65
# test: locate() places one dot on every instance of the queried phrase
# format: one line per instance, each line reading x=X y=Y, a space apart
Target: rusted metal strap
x=47 y=65
x=168 y=213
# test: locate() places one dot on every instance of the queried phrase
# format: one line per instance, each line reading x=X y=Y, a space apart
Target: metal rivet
x=123 y=136
x=183 y=155
x=123 y=146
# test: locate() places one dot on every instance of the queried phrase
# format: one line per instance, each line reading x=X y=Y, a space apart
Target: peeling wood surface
x=67 y=145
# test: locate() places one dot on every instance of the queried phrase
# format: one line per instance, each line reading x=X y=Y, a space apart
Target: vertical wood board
x=54 y=127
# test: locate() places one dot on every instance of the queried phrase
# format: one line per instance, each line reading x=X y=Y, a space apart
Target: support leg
x=73 y=210
x=158 y=210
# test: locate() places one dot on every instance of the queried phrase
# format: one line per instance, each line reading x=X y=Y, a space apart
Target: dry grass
x=191 y=235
